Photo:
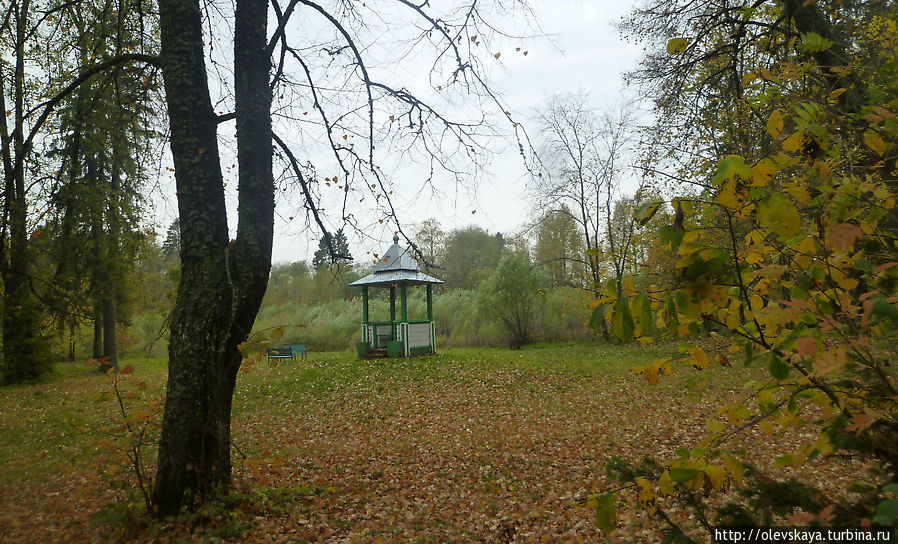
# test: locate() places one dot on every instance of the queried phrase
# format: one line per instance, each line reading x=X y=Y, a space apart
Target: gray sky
x=582 y=53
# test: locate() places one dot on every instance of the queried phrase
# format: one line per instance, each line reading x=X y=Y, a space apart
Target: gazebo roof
x=396 y=266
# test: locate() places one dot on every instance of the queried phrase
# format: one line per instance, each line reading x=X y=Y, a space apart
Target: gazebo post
x=365 y=304
x=393 y=326
x=365 y=315
x=403 y=307
x=393 y=303
x=429 y=302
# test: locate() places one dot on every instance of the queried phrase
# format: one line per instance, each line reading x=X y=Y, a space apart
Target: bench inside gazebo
x=400 y=336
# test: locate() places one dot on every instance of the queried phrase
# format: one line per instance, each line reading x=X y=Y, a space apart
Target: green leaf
x=685 y=306
x=644 y=213
x=882 y=308
x=606 y=515
x=886 y=512
x=598 y=316
x=811 y=42
x=642 y=309
x=611 y=288
x=670 y=234
x=622 y=320
x=677 y=46
x=778 y=368
x=681 y=475
x=778 y=214
x=670 y=314
x=891 y=488
x=730 y=167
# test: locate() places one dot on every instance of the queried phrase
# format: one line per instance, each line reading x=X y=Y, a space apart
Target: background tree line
x=77 y=99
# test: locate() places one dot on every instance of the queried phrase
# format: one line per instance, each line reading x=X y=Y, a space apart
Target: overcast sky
x=583 y=52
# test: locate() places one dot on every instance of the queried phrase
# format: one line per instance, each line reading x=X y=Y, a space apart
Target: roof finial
x=395 y=238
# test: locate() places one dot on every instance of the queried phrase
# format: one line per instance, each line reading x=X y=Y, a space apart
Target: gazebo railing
x=378 y=333
x=418 y=336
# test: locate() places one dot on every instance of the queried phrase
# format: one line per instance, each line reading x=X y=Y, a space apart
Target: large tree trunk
x=110 y=344
x=21 y=317
x=97 y=347
x=222 y=283
x=73 y=328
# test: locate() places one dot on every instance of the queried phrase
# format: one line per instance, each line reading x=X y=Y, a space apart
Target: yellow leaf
x=754 y=257
x=732 y=319
x=775 y=123
x=727 y=195
x=716 y=475
x=651 y=375
x=734 y=466
x=837 y=93
x=847 y=283
x=757 y=302
x=798 y=459
x=699 y=358
x=691 y=236
x=677 y=46
x=778 y=214
x=763 y=172
x=794 y=142
x=798 y=191
x=715 y=425
x=722 y=360
x=666 y=484
x=874 y=141
x=824 y=446
x=646 y=496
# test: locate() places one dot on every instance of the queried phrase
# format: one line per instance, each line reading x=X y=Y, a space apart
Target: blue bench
x=287 y=352
x=298 y=349
x=280 y=353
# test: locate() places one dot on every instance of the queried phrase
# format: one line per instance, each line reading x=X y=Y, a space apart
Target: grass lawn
x=469 y=445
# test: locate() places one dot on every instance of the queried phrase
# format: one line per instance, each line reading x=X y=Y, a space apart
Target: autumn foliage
x=788 y=257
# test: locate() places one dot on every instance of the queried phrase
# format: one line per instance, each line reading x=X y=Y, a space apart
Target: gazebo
x=402 y=336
